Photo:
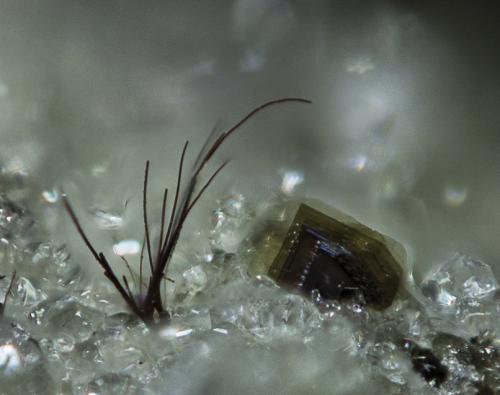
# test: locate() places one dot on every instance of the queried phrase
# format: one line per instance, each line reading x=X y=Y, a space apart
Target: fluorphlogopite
x=339 y=257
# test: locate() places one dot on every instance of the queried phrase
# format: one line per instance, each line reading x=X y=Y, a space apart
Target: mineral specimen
x=427 y=364
x=337 y=257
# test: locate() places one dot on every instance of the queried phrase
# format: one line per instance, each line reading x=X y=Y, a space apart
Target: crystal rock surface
x=232 y=331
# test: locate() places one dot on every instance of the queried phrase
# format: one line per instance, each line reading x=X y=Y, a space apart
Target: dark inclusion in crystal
x=337 y=259
x=427 y=364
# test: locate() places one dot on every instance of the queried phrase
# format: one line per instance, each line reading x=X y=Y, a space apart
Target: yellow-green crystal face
x=338 y=258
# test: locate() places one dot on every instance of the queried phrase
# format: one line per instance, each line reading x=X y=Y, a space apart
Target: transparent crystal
x=100 y=295
x=23 y=369
x=68 y=316
x=194 y=280
x=53 y=263
x=212 y=362
x=125 y=324
x=458 y=279
x=390 y=361
x=111 y=384
x=38 y=313
x=45 y=253
x=230 y=223
x=266 y=311
x=186 y=323
x=27 y=294
x=83 y=362
x=120 y=357
x=197 y=248
x=234 y=206
x=480 y=317
x=202 y=249
x=465 y=296
x=56 y=348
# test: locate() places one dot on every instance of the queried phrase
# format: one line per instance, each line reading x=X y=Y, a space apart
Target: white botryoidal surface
x=67 y=333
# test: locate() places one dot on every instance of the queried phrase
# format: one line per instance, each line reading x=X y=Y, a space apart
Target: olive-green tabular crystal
x=337 y=256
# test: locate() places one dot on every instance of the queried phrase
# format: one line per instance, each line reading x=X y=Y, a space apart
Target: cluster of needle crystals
x=151 y=308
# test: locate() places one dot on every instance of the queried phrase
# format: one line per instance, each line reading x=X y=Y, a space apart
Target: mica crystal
x=337 y=258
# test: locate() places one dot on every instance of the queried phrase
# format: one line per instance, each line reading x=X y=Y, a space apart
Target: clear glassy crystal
x=458 y=279
x=230 y=223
